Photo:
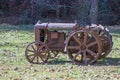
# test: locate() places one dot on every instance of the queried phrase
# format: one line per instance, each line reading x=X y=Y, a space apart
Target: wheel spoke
x=89 y=39
x=75 y=38
x=76 y=55
x=30 y=55
x=30 y=50
x=73 y=47
x=37 y=59
x=41 y=57
x=33 y=47
x=45 y=53
x=92 y=53
x=85 y=38
x=92 y=43
x=55 y=53
x=33 y=58
x=81 y=57
x=74 y=58
x=84 y=57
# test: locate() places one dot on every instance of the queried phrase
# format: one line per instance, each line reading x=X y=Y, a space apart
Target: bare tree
x=94 y=11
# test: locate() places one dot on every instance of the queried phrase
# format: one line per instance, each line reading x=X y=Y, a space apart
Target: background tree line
x=105 y=12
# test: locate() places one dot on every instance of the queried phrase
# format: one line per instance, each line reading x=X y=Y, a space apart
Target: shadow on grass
x=58 y=61
x=116 y=35
x=109 y=62
x=104 y=62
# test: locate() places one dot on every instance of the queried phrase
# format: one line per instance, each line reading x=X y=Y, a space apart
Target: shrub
x=1 y=13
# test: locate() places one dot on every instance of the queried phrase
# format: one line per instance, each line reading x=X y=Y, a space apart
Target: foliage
x=25 y=16
x=109 y=12
x=115 y=7
x=83 y=12
x=30 y=11
x=1 y=13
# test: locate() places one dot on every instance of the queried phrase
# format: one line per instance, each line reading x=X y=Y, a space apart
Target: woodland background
x=105 y=12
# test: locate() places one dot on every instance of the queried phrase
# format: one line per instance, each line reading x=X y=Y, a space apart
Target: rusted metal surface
x=56 y=43
x=37 y=53
x=83 y=44
x=56 y=26
x=106 y=38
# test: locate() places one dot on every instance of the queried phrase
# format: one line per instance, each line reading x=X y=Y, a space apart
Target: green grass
x=14 y=66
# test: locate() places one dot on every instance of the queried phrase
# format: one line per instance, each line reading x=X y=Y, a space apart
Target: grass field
x=14 y=66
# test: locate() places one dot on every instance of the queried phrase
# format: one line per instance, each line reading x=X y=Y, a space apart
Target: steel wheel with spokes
x=37 y=53
x=107 y=42
x=84 y=46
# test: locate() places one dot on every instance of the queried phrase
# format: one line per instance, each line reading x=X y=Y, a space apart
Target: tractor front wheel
x=37 y=52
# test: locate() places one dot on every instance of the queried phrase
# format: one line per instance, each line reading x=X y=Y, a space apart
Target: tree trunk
x=94 y=11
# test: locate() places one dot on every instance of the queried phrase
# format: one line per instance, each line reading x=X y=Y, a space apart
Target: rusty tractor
x=84 y=45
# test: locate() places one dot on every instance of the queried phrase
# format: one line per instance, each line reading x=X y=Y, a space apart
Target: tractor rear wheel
x=84 y=46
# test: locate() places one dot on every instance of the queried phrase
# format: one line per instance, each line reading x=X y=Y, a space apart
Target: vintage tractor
x=82 y=44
